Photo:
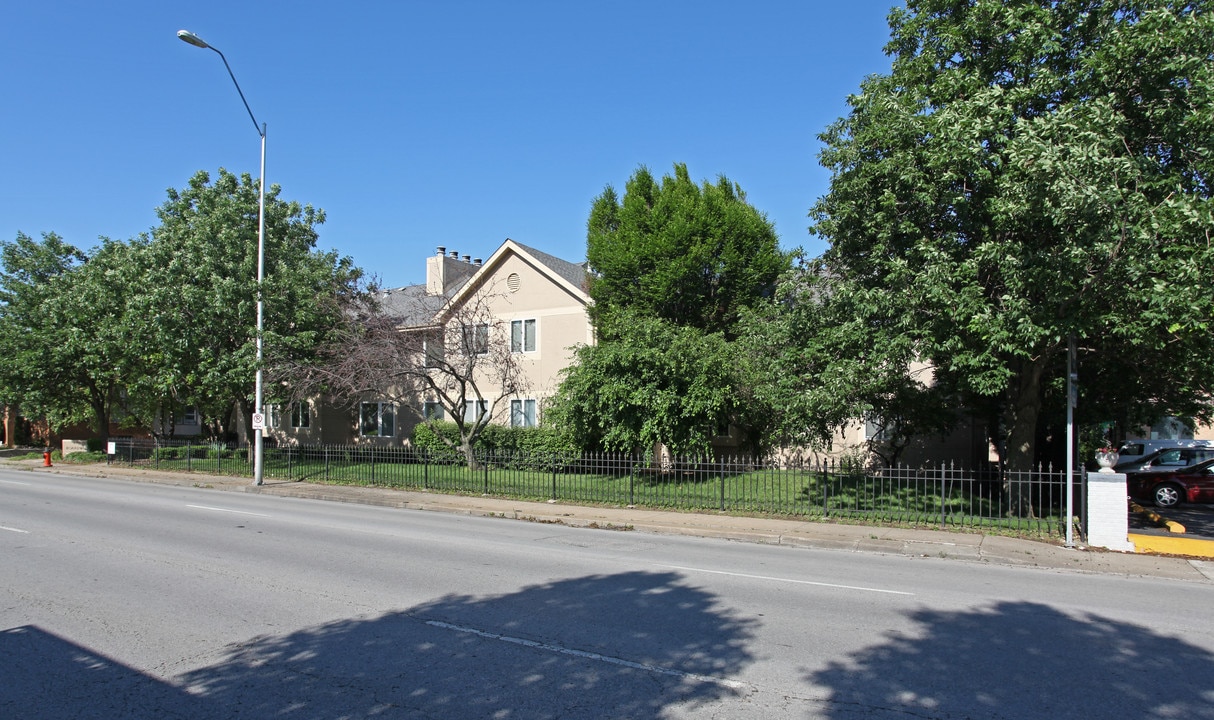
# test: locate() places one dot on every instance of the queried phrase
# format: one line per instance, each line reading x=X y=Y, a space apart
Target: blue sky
x=417 y=124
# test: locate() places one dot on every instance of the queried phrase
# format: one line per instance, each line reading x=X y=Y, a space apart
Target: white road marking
x=16 y=530
x=787 y=580
x=237 y=512
x=733 y=684
x=13 y=482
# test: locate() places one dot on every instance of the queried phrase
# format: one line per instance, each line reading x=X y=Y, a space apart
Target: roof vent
x=441 y=250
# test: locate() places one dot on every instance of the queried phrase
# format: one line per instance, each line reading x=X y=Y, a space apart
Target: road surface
x=128 y=600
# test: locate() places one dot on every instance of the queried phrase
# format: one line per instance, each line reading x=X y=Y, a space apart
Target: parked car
x=1134 y=450
x=1169 y=459
x=1194 y=484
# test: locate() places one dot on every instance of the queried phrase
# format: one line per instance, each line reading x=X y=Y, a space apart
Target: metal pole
x=1072 y=388
x=258 y=434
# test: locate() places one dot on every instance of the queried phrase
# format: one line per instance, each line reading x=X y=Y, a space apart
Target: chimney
x=444 y=270
x=477 y=262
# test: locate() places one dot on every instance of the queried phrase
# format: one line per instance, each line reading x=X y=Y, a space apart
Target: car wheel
x=1167 y=496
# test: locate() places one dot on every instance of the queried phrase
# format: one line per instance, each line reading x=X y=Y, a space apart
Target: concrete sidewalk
x=974 y=547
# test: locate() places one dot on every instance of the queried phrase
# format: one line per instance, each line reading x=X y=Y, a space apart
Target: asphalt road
x=131 y=600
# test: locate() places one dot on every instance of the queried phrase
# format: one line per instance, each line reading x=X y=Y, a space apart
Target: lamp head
x=192 y=39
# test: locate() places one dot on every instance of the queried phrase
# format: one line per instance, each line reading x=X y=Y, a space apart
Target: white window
x=376 y=419
x=301 y=415
x=432 y=410
x=474 y=409
x=272 y=413
x=475 y=339
x=189 y=416
x=522 y=413
x=432 y=349
x=522 y=336
x=876 y=430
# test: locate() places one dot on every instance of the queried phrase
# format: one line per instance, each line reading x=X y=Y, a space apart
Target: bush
x=498 y=441
x=85 y=457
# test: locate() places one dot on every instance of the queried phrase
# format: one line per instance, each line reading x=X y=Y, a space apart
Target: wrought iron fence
x=939 y=496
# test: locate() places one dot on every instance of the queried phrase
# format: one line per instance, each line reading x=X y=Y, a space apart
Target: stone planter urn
x=1106 y=459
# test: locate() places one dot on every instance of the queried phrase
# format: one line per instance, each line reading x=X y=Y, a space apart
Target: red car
x=1194 y=484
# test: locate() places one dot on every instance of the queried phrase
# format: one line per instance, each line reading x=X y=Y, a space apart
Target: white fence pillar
x=1108 y=513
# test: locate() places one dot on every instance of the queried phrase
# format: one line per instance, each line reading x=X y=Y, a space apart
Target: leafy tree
x=675 y=267
x=1030 y=170
x=31 y=274
x=653 y=382
x=196 y=309
x=692 y=255
x=814 y=369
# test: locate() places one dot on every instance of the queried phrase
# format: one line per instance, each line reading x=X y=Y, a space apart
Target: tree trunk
x=1020 y=421
x=469 y=455
x=101 y=416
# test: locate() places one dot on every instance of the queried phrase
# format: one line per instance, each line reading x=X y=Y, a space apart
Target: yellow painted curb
x=1168 y=545
x=1160 y=520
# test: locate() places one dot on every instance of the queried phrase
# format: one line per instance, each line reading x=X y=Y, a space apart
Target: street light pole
x=258 y=433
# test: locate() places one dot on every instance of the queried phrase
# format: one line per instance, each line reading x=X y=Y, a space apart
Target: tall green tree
x=693 y=255
x=32 y=273
x=675 y=265
x=196 y=310
x=1030 y=170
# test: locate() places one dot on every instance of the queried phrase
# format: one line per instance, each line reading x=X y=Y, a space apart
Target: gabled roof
x=569 y=276
x=414 y=307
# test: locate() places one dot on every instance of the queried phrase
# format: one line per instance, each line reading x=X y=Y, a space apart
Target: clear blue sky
x=416 y=124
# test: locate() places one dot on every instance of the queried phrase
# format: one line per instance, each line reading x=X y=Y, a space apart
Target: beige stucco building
x=525 y=304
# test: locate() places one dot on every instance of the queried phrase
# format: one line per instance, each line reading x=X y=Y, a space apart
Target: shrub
x=498 y=441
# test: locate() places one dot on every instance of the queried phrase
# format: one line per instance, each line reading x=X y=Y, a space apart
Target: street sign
x=259 y=421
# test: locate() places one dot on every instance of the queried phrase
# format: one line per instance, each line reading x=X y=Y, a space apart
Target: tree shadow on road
x=623 y=645
x=1022 y=660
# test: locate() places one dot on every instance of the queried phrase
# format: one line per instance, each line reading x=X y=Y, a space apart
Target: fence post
x=826 y=465
x=632 y=471
x=554 y=476
x=130 y=454
x=326 y=463
x=721 y=471
x=425 y=468
x=485 y=462
x=290 y=467
x=942 y=472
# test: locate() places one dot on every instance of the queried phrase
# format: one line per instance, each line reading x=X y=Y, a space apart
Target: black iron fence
x=938 y=496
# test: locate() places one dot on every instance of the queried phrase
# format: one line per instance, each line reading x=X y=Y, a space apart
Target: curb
x=1171 y=525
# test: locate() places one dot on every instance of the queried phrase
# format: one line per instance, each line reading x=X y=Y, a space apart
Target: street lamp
x=258 y=444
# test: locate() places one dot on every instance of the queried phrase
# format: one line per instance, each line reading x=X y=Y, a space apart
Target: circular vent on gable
x=514 y=282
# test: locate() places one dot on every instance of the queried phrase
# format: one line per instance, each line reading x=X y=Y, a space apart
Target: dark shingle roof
x=575 y=273
x=412 y=305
